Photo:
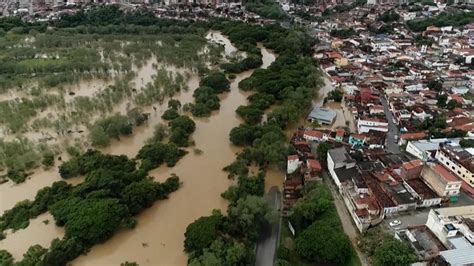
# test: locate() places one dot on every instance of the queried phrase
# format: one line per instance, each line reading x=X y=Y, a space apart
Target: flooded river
x=159 y=236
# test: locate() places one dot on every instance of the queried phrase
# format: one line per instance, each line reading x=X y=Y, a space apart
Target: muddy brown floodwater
x=158 y=239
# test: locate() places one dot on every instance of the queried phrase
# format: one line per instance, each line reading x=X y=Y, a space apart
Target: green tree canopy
x=394 y=253
x=202 y=232
x=321 y=243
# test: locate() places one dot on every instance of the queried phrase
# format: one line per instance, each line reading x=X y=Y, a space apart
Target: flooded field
x=159 y=235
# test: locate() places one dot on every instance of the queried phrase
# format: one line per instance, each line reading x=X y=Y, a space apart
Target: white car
x=395 y=223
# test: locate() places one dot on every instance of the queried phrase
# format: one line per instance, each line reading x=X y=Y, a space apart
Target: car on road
x=395 y=223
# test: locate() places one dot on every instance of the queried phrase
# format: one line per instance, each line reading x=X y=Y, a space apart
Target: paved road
x=346 y=218
x=268 y=241
x=390 y=143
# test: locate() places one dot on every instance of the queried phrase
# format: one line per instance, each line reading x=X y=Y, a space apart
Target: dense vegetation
x=265 y=8
x=383 y=249
x=112 y=127
x=227 y=239
x=180 y=130
x=38 y=64
x=206 y=96
x=441 y=20
x=319 y=235
x=289 y=83
x=389 y=16
x=343 y=33
x=467 y=143
x=113 y=192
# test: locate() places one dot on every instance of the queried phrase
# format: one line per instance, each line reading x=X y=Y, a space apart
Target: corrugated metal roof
x=464 y=256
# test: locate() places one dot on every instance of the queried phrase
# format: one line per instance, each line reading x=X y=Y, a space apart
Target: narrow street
x=345 y=217
x=268 y=241
x=390 y=142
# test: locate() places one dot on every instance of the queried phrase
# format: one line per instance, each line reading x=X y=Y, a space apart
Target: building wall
x=413 y=150
x=435 y=224
x=424 y=202
x=457 y=169
x=292 y=165
x=430 y=202
x=364 y=126
x=360 y=224
x=390 y=211
x=331 y=167
x=438 y=184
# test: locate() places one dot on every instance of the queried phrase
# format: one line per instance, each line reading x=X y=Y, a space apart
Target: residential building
x=364 y=125
x=340 y=165
x=315 y=135
x=460 y=162
x=357 y=139
x=441 y=181
x=411 y=169
x=452 y=222
x=420 y=191
x=339 y=134
x=292 y=164
x=425 y=149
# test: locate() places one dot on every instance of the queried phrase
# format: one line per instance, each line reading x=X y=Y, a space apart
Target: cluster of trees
x=154 y=154
x=18 y=217
x=384 y=249
x=435 y=85
x=335 y=95
x=389 y=16
x=245 y=37
x=18 y=156
x=319 y=234
x=436 y=127
x=344 y=8
x=246 y=185
x=441 y=20
x=103 y=130
x=113 y=192
x=443 y=102
x=180 y=130
x=206 y=96
x=93 y=159
x=343 y=33
x=423 y=40
x=265 y=8
x=290 y=82
x=227 y=239
x=173 y=110
x=467 y=143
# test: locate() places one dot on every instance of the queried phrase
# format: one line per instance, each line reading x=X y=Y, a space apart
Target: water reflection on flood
x=158 y=238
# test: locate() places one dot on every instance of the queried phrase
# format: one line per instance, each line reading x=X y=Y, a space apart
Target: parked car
x=395 y=223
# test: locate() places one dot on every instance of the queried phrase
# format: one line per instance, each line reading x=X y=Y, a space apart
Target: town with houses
x=397 y=123
x=406 y=142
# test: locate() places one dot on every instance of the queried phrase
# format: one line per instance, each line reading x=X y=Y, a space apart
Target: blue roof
x=323 y=114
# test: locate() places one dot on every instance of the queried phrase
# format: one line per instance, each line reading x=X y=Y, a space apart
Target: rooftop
x=445 y=173
x=463 y=211
x=421 y=189
x=340 y=155
x=464 y=255
x=323 y=114
x=345 y=174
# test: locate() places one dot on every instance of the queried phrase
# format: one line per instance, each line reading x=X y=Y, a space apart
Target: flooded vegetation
x=184 y=101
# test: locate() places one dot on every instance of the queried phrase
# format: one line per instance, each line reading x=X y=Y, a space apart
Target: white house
x=339 y=159
x=315 y=135
x=366 y=124
x=292 y=164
